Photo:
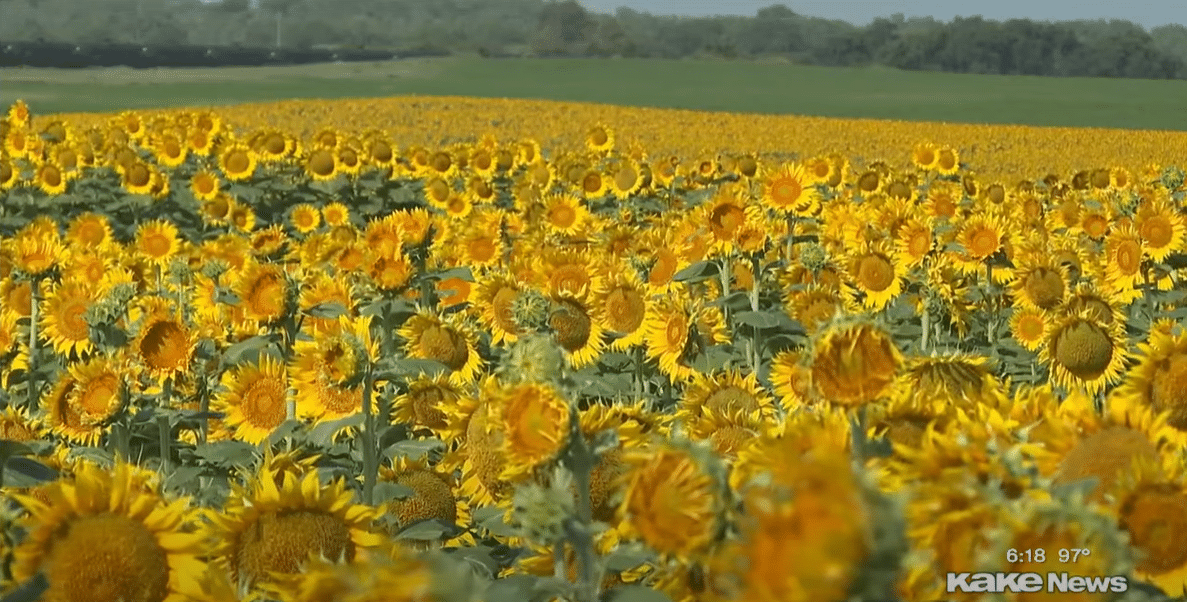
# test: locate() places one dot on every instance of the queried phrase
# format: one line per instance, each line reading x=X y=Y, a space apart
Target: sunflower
x=85 y=400
x=472 y=428
x=789 y=190
x=1161 y=227
x=426 y=402
x=9 y=174
x=853 y=363
x=49 y=177
x=623 y=305
x=534 y=419
x=90 y=231
x=165 y=343
x=1039 y=282
x=494 y=297
x=305 y=218
x=263 y=292
x=1083 y=351
x=274 y=524
x=108 y=535
x=564 y=214
x=572 y=273
x=599 y=138
x=925 y=156
x=1159 y=380
x=593 y=184
x=1151 y=508
x=435 y=496
x=445 y=340
x=1029 y=327
x=327 y=371
x=672 y=501
x=627 y=178
x=669 y=327
x=802 y=537
x=321 y=288
x=237 y=161
x=1124 y=252
x=942 y=380
x=980 y=237
x=724 y=393
x=35 y=251
x=876 y=276
x=157 y=242
x=63 y=322
x=254 y=399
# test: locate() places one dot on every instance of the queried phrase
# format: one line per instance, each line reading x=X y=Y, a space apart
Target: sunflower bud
x=179 y=270
x=530 y=311
x=533 y=358
x=540 y=512
x=1172 y=178
x=215 y=268
x=121 y=294
x=813 y=257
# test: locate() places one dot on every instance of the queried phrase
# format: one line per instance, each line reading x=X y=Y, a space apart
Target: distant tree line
x=510 y=28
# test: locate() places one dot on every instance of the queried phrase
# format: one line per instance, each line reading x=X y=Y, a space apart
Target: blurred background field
x=704 y=85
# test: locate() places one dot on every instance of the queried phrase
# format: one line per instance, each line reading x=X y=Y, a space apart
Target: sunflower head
x=854 y=361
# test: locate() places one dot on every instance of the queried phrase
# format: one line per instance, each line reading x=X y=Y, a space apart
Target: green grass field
x=757 y=87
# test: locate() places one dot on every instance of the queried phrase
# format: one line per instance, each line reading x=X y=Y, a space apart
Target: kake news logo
x=1030 y=583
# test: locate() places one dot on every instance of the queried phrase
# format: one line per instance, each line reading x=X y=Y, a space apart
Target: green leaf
x=464 y=273
x=413 y=448
x=323 y=434
x=761 y=320
x=328 y=310
x=22 y=472
x=227 y=454
x=426 y=530
x=698 y=271
x=409 y=366
x=491 y=519
x=512 y=588
x=284 y=430
x=248 y=350
x=385 y=491
x=29 y=591
x=625 y=558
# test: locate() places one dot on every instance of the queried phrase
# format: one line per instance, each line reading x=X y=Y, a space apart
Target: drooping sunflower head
x=534 y=418
x=265 y=292
x=86 y=399
x=1151 y=507
x=724 y=393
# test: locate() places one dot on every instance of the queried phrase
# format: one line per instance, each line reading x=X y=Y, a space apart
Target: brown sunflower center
x=432 y=499
x=983 y=242
x=501 y=303
x=139 y=175
x=71 y=324
x=1105 y=455
x=731 y=398
x=274 y=143
x=562 y=215
x=625 y=178
x=96 y=396
x=104 y=558
x=728 y=440
x=572 y=325
x=1084 y=349
x=156 y=245
x=321 y=163
x=855 y=366
x=481 y=249
x=263 y=403
x=875 y=273
x=624 y=310
x=1030 y=328
x=164 y=345
x=598 y=137
x=676 y=332
x=726 y=219
x=1128 y=257
x=591 y=182
x=786 y=191
x=237 y=162
x=1156 y=519
x=426 y=406
x=1157 y=231
x=444 y=345
x=282 y=542
x=868 y=181
x=265 y=296
x=1044 y=287
x=1168 y=389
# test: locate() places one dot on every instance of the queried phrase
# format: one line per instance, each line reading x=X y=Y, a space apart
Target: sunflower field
x=241 y=361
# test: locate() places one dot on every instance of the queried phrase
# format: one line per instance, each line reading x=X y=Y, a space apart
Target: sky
x=1148 y=14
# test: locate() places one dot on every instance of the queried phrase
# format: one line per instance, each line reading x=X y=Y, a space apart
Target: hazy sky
x=1148 y=14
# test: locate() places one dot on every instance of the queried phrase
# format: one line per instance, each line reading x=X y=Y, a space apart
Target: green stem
x=584 y=459
x=926 y=323
x=859 y=436
x=789 y=244
x=163 y=431
x=203 y=408
x=559 y=570
x=640 y=384
x=370 y=459
x=34 y=301
x=725 y=284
